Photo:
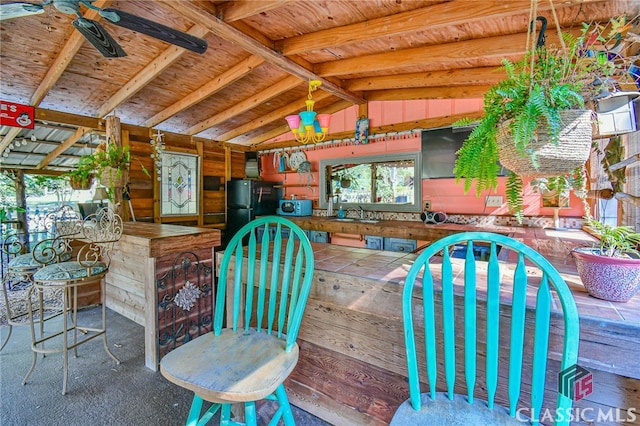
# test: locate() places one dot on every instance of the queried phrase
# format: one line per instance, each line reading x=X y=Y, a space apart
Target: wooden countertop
x=413 y=230
x=157 y=239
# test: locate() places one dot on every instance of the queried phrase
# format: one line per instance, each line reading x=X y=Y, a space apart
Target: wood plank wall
x=213 y=168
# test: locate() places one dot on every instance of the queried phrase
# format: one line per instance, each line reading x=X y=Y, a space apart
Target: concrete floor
x=99 y=392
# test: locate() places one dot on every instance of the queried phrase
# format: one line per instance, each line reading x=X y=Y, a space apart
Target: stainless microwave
x=296 y=208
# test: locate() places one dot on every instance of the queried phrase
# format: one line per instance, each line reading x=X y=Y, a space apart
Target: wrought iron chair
x=509 y=340
x=98 y=234
x=63 y=223
x=266 y=285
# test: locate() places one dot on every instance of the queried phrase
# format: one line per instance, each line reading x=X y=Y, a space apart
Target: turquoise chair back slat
x=449 y=328
x=518 y=310
x=541 y=343
x=470 y=325
x=271 y=277
x=493 y=324
x=522 y=287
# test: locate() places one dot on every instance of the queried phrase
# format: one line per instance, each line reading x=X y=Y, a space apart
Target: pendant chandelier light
x=307 y=127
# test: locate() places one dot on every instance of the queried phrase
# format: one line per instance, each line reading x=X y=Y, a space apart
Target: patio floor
x=99 y=392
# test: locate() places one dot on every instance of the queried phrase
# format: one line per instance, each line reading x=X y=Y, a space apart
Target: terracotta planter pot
x=609 y=278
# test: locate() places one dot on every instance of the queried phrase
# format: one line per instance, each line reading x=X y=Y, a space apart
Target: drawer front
x=319 y=236
x=400 y=244
x=374 y=242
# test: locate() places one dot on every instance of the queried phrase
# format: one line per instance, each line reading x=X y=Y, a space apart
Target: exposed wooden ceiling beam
x=233 y=74
x=197 y=14
x=62 y=61
x=445 y=92
x=63 y=147
x=272 y=91
x=240 y=9
x=148 y=73
x=427 y=19
x=458 y=77
x=444 y=55
x=274 y=115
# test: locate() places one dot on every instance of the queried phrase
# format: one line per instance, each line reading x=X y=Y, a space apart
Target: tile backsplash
x=528 y=221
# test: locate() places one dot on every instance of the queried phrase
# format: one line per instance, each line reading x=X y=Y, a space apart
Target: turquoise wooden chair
x=249 y=358
x=508 y=340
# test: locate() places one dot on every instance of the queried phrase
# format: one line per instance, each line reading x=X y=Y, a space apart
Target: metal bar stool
x=63 y=222
x=100 y=231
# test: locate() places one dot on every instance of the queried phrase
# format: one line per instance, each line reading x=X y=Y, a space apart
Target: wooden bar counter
x=143 y=255
x=352 y=368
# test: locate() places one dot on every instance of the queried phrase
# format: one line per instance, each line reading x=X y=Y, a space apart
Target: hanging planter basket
x=571 y=151
x=112 y=177
x=78 y=183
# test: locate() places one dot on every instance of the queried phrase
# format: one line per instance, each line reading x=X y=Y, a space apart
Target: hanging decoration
x=362 y=131
x=157 y=145
x=307 y=126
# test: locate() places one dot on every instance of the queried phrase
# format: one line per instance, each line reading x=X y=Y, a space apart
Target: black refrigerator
x=246 y=200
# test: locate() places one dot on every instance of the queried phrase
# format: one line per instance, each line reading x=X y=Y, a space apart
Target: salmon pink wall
x=445 y=194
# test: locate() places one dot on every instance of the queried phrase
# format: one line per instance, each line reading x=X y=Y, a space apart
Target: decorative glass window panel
x=179 y=184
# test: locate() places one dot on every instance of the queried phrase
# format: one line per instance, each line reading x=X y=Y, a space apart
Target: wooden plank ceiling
x=262 y=54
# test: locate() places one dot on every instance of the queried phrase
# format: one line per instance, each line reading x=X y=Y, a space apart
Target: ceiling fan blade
x=17 y=10
x=157 y=30
x=99 y=38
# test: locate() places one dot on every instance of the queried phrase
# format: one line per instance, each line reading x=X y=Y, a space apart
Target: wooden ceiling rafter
x=426 y=19
x=63 y=147
x=213 y=86
x=163 y=61
x=240 y=9
x=282 y=86
x=457 y=77
x=197 y=14
x=277 y=114
x=56 y=70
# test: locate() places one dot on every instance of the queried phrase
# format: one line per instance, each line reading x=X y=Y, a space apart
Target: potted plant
x=535 y=122
x=110 y=162
x=82 y=176
x=610 y=271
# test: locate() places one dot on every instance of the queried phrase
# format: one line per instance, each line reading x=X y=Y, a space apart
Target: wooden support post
x=114 y=135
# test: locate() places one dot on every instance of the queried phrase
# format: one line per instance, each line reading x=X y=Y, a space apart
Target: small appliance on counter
x=433 y=217
x=296 y=208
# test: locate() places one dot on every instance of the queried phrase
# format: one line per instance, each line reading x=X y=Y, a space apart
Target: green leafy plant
x=82 y=176
x=547 y=81
x=615 y=241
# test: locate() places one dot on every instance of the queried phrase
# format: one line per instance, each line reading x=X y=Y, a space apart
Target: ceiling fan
x=97 y=35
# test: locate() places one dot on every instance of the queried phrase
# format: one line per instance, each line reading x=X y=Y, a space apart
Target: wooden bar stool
x=266 y=284
x=99 y=232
